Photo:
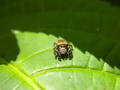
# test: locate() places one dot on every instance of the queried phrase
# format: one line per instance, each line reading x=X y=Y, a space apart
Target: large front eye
x=61 y=46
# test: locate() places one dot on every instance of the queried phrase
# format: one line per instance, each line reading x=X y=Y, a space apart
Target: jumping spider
x=62 y=50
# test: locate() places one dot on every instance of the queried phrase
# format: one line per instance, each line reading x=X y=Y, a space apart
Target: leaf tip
x=15 y=31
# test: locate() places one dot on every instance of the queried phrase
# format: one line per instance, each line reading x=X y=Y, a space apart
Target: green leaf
x=37 y=69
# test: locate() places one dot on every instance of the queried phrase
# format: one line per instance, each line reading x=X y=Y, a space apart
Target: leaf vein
x=66 y=68
x=33 y=55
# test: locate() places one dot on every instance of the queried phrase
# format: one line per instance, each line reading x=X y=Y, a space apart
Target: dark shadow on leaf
x=8 y=46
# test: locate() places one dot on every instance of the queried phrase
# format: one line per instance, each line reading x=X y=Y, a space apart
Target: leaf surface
x=37 y=69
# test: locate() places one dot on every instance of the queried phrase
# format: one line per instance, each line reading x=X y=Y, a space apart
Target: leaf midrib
x=26 y=78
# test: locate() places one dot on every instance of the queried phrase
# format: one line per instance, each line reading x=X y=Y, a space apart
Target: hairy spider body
x=63 y=49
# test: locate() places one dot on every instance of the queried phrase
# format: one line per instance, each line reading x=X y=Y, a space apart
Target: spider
x=63 y=49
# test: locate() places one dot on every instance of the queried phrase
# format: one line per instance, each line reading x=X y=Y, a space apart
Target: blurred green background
x=91 y=25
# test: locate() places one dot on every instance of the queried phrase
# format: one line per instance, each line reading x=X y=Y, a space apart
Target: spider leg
x=57 y=53
x=69 y=52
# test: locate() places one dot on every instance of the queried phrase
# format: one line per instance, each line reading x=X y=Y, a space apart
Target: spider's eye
x=63 y=46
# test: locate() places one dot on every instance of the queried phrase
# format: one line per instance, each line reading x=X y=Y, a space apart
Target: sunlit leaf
x=36 y=68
